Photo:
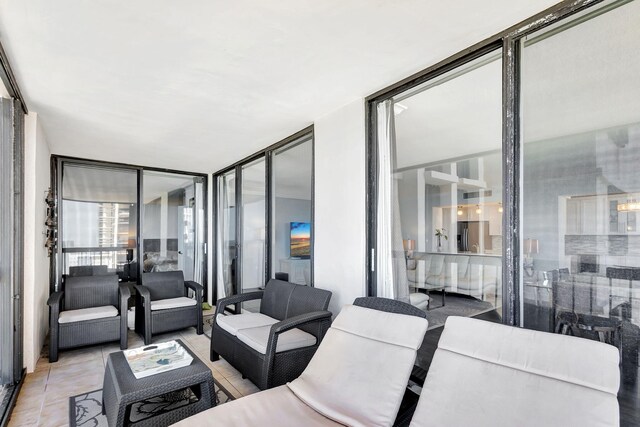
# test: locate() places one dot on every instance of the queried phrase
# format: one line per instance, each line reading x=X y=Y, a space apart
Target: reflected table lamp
x=409 y=246
x=530 y=247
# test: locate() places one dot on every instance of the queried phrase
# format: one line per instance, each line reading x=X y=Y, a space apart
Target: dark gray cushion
x=305 y=299
x=165 y=284
x=276 y=299
x=90 y=291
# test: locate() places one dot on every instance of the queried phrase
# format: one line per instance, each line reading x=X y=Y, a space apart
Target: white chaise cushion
x=274 y=407
x=82 y=314
x=359 y=373
x=163 y=304
x=234 y=323
x=257 y=339
x=487 y=374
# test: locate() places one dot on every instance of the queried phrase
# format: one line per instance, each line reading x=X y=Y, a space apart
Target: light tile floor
x=44 y=397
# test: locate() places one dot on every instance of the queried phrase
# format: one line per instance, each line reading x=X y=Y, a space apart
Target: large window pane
x=173 y=226
x=99 y=213
x=581 y=185
x=439 y=237
x=226 y=235
x=291 y=210
x=253 y=229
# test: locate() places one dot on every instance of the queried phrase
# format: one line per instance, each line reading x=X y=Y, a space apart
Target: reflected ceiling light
x=629 y=206
x=459 y=210
x=398 y=108
x=478 y=210
x=500 y=208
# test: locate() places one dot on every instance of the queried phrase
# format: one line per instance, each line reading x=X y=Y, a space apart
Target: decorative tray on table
x=157 y=358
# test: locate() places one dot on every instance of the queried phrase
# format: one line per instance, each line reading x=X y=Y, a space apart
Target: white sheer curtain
x=391 y=266
x=200 y=238
x=223 y=258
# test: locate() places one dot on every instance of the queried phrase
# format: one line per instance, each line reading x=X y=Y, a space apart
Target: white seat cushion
x=360 y=372
x=275 y=407
x=257 y=339
x=234 y=323
x=499 y=375
x=163 y=304
x=87 y=314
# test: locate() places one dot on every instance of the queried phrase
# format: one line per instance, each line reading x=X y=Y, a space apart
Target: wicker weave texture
x=389 y=305
x=76 y=334
x=302 y=307
x=121 y=389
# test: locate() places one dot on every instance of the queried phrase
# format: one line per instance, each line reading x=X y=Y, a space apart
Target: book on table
x=157 y=358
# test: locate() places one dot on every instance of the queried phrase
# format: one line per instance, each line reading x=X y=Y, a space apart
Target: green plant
x=441 y=232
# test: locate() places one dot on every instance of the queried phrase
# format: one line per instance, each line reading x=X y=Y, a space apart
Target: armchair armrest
x=234 y=299
x=55 y=299
x=143 y=292
x=125 y=291
x=196 y=287
x=125 y=294
x=320 y=317
x=301 y=319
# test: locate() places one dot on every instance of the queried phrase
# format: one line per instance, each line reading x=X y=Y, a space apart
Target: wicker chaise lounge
x=357 y=377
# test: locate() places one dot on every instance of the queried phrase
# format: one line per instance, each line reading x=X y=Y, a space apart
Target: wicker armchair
x=90 y=310
x=274 y=346
x=162 y=304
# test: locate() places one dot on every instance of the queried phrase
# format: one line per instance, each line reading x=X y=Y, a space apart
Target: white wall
x=340 y=220
x=36 y=261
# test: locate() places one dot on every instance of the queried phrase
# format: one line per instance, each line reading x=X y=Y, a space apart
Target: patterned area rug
x=86 y=409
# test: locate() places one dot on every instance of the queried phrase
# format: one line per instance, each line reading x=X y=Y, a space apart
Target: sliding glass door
x=11 y=249
x=99 y=220
x=173 y=224
x=581 y=183
x=507 y=184
x=127 y=220
x=264 y=219
x=253 y=196
x=439 y=193
x=291 y=201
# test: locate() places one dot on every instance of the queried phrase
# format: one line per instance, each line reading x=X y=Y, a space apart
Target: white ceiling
x=198 y=85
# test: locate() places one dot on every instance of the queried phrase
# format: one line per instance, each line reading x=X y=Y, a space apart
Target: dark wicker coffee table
x=121 y=389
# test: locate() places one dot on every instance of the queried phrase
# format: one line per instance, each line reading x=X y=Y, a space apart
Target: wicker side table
x=121 y=389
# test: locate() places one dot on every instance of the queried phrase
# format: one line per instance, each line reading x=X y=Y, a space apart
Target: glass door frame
x=57 y=165
x=509 y=40
x=267 y=154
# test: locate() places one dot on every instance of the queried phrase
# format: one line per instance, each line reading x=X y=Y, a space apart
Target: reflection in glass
x=253 y=228
x=99 y=212
x=581 y=185
x=226 y=235
x=173 y=226
x=439 y=219
x=291 y=210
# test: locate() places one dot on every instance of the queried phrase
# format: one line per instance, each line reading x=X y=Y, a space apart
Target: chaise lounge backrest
x=282 y=300
x=487 y=374
x=164 y=285
x=90 y=291
x=358 y=375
